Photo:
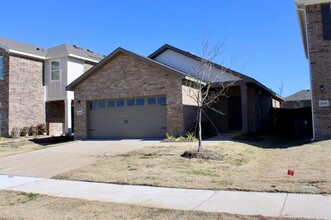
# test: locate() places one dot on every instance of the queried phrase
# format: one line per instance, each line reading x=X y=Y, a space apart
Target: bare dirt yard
x=254 y=166
x=17 y=205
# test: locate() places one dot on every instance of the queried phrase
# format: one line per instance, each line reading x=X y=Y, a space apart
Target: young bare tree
x=209 y=84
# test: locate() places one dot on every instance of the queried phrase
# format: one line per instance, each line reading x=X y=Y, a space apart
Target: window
x=111 y=104
x=101 y=105
x=1 y=67
x=120 y=103
x=93 y=105
x=140 y=101
x=326 y=20
x=161 y=100
x=55 y=70
x=130 y=102
x=151 y=101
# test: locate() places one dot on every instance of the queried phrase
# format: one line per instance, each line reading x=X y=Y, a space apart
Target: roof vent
x=75 y=46
x=38 y=48
x=88 y=50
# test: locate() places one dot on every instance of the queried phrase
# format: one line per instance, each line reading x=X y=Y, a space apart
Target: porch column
x=244 y=106
x=67 y=109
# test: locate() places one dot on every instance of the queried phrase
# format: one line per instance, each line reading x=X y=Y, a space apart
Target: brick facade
x=26 y=92
x=320 y=71
x=126 y=76
x=21 y=93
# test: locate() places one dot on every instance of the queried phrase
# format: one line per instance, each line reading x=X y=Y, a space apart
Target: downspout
x=311 y=85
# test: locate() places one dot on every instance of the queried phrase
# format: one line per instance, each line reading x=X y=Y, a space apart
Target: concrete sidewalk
x=245 y=203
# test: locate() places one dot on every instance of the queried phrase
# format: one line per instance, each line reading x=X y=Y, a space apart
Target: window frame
x=51 y=71
x=326 y=21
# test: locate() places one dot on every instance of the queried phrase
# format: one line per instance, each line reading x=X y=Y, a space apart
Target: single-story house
x=130 y=96
x=300 y=99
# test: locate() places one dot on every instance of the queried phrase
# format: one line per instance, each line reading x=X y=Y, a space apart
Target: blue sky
x=262 y=37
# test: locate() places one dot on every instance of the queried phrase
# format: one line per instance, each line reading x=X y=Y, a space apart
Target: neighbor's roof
x=114 y=54
x=310 y=2
x=28 y=49
x=43 y=53
x=245 y=78
x=300 y=96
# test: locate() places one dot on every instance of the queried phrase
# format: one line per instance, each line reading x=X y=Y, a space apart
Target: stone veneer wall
x=26 y=92
x=127 y=76
x=4 y=95
x=320 y=71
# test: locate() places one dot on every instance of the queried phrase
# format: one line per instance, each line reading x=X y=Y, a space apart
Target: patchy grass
x=18 y=146
x=15 y=205
x=242 y=166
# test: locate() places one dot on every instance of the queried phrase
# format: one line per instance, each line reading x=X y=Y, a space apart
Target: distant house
x=130 y=96
x=33 y=81
x=299 y=99
x=315 y=23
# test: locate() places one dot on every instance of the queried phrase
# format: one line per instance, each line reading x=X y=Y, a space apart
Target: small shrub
x=25 y=131
x=170 y=138
x=190 y=136
x=41 y=129
x=33 y=131
x=15 y=133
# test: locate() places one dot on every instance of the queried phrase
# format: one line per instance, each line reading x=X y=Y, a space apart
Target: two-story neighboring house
x=33 y=81
x=315 y=23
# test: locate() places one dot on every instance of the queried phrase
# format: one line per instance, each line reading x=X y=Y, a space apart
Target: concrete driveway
x=64 y=157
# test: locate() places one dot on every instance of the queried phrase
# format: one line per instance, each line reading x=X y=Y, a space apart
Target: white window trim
x=50 y=71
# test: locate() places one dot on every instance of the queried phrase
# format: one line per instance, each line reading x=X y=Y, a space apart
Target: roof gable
x=114 y=54
x=241 y=76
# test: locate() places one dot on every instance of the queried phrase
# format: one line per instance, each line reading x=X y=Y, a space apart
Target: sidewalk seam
x=11 y=188
x=214 y=193
x=283 y=206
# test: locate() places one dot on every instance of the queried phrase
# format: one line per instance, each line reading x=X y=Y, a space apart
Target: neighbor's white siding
x=75 y=69
x=190 y=66
x=70 y=69
x=55 y=90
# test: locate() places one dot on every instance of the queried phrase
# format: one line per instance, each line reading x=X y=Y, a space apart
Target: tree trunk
x=200 y=128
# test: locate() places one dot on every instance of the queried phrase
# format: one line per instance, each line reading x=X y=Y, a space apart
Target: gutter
x=307 y=56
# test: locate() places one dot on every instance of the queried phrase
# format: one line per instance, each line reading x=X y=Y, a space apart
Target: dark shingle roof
x=61 y=50
x=300 y=96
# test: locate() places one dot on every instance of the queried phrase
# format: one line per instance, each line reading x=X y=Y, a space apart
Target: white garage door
x=143 y=117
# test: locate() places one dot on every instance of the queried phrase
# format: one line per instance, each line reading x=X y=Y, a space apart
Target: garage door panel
x=146 y=121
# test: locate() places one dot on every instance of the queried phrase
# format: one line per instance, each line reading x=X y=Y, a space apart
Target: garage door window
x=101 y=105
x=162 y=100
x=140 y=101
x=120 y=103
x=93 y=105
x=130 y=102
x=151 y=101
x=111 y=104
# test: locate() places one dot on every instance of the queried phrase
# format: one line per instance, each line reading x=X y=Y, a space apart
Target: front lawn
x=242 y=166
x=9 y=147
x=17 y=205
